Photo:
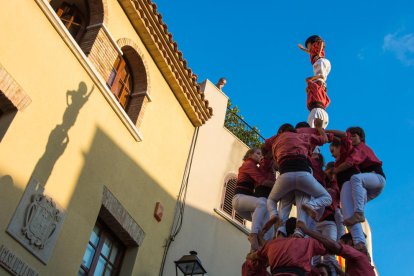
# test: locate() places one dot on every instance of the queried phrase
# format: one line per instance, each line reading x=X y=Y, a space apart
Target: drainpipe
x=180 y=204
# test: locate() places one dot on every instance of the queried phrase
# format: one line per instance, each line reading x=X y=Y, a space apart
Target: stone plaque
x=14 y=264
x=36 y=222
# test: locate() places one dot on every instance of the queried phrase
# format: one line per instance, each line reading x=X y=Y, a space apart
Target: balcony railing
x=239 y=127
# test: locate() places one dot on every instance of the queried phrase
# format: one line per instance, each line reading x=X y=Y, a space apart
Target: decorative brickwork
x=140 y=94
x=100 y=48
x=120 y=221
x=12 y=95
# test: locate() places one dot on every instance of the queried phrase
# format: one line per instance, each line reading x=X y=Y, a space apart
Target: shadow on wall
x=59 y=138
x=8 y=191
x=105 y=164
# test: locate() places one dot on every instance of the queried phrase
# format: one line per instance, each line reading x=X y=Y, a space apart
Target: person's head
x=302 y=125
x=335 y=148
x=286 y=128
x=312 y=39
x=347 y=239
x=290 y=226
x=253 y=153
x=221 y=82
x=256 y=267
x=323 y=269
x=357 y=135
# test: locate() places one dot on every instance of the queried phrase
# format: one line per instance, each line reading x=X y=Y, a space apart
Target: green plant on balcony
x=236 y=124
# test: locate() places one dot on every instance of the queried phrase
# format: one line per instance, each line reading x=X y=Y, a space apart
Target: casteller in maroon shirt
x=365 y=158
x=356 y=262
x=290 y=144
x=249 y=177
x=291 y=253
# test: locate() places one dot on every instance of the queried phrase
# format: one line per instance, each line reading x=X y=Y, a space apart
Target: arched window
x=228 y=193
x=73 y=16
x=120 y=81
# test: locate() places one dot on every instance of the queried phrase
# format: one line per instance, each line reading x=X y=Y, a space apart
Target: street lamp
x=189 y=265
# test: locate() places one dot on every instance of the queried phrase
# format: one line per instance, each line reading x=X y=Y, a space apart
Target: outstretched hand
x=301 y=225
x=303 y=48
x=318 y=123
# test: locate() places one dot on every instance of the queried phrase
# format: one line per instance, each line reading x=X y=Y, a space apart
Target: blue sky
x=371 y=48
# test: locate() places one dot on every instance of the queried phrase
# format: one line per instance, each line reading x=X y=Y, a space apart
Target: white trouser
x=348 y=210
x=318 y=113
x=284 y=208
x=339 y=220
x=298 y=181
x=253 y=209
x=328 y=229
x=365 y=187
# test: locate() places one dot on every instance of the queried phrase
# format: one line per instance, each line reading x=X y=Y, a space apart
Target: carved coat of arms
x=41 y=220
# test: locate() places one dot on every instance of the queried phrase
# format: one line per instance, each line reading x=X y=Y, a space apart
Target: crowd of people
x=289 y=170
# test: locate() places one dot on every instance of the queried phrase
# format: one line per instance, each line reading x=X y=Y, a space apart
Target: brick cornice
x=164 y=50
x=13 y=91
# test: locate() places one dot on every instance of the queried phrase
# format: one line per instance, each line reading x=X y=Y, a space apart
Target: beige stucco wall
x=100 y=151
x=220 y=245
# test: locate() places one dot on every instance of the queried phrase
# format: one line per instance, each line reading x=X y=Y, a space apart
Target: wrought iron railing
x=239 y=127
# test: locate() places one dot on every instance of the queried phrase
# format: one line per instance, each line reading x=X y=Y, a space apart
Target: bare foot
x=355 y=218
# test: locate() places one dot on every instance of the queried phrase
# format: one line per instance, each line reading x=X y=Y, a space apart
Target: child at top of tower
x=317 y=97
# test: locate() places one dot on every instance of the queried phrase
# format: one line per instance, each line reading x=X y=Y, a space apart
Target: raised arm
x=318 y=126
x=337 y=133
x=303 y=48
x=343 y=167
x=330 y=245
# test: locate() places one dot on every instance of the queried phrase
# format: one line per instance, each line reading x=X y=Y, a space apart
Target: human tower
x=289 y=170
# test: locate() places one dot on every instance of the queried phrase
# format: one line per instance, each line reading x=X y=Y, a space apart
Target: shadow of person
x=59 y=139
x=75 y=100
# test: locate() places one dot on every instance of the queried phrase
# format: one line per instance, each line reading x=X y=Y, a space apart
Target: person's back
x=356 y=262
x=290 y=254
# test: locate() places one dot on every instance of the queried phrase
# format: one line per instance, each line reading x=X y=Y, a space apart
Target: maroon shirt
x=317 y=171
x=317 y=51
x=290 y=144
x=267 y=167
x=356 y=263
x=314 y=131
x=365 y=157
x=347 y=155
x=255 y=268
x=329 y=212
x=249 y=177
x=291 y=252
x=267 y=146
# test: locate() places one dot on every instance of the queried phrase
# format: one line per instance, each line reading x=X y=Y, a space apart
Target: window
x=73 y=19
x=103 y=254
x=228 y=193
x=120 y=81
